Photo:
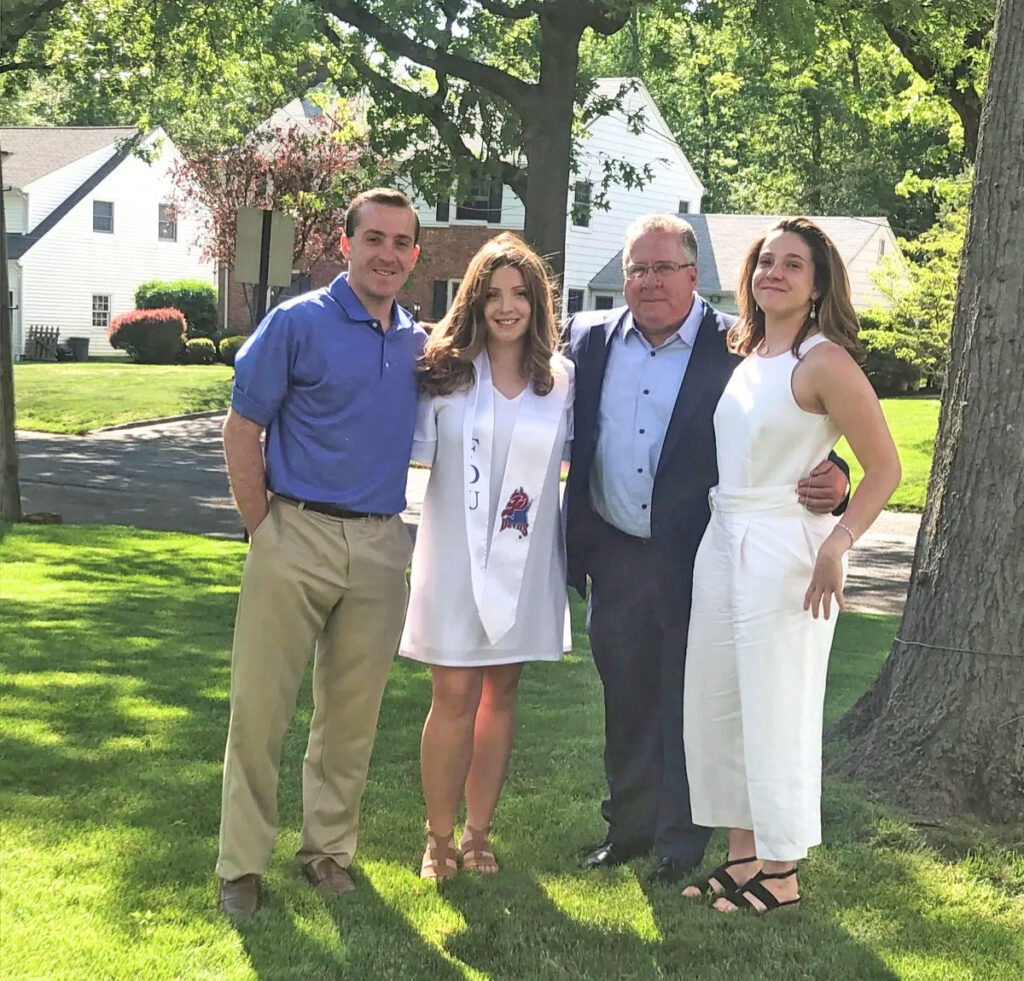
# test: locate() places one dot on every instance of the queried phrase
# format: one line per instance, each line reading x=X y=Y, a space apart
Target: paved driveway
x=171 y=477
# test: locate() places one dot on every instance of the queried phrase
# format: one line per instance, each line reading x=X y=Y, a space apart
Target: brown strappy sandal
x=440 y=859
x=476 y=852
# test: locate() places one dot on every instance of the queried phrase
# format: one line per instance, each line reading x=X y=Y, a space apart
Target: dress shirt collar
x=687 y=332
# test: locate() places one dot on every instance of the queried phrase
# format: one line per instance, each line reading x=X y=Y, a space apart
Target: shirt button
x=643 y=507
x=647 y=391
x=642 y=432
x=387 y=364
x=639 y=469
x=654 y=354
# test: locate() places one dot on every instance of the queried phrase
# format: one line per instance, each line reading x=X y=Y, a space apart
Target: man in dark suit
x=648 y=378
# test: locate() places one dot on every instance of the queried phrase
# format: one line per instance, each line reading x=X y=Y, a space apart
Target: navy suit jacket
x=687 y=468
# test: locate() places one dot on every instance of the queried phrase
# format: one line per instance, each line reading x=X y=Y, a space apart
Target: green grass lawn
x=74 y=398
x=914 y=423
x=115 y=646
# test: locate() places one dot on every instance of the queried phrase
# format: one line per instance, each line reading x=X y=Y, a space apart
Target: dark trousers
x=637 y=621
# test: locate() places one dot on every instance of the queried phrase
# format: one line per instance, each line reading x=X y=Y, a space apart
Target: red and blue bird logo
x=516 y=513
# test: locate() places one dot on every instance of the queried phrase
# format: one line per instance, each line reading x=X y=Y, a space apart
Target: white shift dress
x=443 y=625
x=756 y=660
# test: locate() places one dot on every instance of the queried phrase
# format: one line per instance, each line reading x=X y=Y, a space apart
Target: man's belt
x=332 y=510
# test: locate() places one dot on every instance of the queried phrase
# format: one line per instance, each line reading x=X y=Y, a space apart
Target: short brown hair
x=380 y=195
x=454 y=342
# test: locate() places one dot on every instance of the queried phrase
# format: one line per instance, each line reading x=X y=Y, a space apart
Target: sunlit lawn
x=913 y=423
x=74 y=398
x=115 y=645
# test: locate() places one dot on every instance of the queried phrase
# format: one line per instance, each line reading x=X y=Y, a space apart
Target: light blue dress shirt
x=641 y=384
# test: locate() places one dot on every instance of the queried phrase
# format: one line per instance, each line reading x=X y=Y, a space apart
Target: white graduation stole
x=497 y=572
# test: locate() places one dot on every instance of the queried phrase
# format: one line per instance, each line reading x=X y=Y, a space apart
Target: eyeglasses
x=637 y=271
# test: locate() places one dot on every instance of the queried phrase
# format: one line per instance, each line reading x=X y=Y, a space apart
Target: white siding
x=588 y=250
x=48 y=192
x=15 y=211
x=513 y=213
x=862 y=268
x=72 y=262
x=14 y=285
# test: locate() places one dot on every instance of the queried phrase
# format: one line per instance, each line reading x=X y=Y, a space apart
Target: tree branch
x=517 y=93
x=18 y=27
x=22 y=66
x=520 y=11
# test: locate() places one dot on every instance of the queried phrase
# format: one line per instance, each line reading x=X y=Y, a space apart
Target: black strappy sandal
x=722 y=877
x=754 y=887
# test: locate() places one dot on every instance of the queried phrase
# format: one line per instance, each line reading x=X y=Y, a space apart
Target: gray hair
x=661 y=223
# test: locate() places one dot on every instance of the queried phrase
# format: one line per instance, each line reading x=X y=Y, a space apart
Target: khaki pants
x=310 y=581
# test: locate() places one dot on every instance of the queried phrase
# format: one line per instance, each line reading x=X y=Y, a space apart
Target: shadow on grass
x=116 y=650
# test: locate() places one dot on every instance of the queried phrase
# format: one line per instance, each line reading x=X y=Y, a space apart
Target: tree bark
x=547 y=140
x=10 y=492
x=942 y=730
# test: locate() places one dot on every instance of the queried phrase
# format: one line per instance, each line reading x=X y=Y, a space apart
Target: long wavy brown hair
x=835 y=317
x=447 y=362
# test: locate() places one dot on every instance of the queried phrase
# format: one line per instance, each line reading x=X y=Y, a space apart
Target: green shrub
x=888 y=362
x=200 y=350
x=149 y=336
x=196 y=299
x=229 y=348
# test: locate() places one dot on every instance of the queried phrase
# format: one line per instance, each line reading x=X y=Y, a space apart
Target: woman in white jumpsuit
x=757 y=652
x=488 y=574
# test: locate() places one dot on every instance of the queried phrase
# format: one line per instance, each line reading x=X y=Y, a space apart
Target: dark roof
x=723 y=240
x=18 y=245
x=31 y=152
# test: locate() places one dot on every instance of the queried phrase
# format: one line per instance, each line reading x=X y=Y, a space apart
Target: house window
x=167 y=223
x=101 y=310
x=103 y=216
x=453 y=288
x=443 y=212
x=482 y=202
x=603 y=301
x=574 y=302
x=684 y=208
x=582 y=194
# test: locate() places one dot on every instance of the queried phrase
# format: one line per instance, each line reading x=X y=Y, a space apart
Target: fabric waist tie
x=780 y=500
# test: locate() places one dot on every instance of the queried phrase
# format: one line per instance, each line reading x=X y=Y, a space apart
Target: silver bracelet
x=839 y=524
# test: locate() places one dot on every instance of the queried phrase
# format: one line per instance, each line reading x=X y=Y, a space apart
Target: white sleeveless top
x=765 y=441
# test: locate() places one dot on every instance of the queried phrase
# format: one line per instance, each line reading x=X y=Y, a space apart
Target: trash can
x=79 y=348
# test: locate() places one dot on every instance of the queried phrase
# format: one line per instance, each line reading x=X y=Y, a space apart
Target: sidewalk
x=170 y=476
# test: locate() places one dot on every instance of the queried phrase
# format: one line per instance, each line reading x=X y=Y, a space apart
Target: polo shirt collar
x=354 y=309
x=687 y=332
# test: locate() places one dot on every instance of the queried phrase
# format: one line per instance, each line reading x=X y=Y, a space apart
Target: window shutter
x=443 y=206
x=440 y=306
x=494 y=203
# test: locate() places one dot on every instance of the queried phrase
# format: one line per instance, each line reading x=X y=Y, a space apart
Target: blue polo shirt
x=337 y=396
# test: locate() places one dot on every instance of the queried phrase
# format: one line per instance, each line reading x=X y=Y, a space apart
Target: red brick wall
x=445 y=252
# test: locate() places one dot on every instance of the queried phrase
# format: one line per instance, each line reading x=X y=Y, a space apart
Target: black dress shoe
x=671 y=870
x=612 y=853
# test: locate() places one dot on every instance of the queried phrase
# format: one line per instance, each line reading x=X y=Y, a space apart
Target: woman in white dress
x=488 y=573
x=769 y=573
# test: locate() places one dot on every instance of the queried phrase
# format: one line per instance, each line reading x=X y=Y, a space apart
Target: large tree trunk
x=942 y=731
x=10 y=493
x=547 y=139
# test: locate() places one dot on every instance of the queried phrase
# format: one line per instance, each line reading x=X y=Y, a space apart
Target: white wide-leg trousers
x=755 y=676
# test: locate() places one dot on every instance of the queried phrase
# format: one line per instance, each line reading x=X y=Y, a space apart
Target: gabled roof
x=19 y=244
x=723 y=240
x=31 y=152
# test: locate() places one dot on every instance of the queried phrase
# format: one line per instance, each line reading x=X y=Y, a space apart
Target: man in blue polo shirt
x=329 y=378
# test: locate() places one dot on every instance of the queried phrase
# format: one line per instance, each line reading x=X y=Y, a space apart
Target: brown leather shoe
x=239 y=897
x=329 y=877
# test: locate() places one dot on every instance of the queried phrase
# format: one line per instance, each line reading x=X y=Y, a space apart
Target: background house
x=88 y=220
x=723 y=240
x=635 y=134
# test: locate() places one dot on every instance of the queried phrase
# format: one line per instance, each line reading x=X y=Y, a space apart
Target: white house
x=593 y=235
x=88 y=220
x=723 y=240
